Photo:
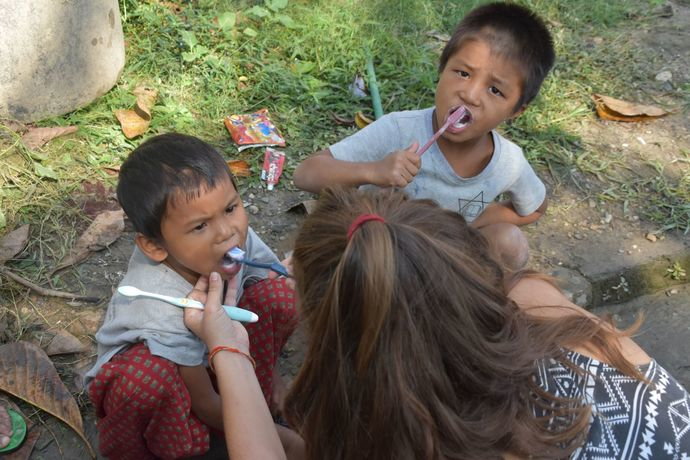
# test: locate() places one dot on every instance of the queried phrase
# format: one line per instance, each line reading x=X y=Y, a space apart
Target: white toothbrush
x=238 y=314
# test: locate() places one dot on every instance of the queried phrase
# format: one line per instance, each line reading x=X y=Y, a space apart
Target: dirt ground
x=581 y=231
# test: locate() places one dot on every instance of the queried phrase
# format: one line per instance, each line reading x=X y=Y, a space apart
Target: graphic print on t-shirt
x=472 y=208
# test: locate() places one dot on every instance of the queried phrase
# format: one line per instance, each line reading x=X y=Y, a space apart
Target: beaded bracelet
x=230 y=349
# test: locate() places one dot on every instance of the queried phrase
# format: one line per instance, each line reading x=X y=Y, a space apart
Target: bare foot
x=5 y=427
x=279 y=392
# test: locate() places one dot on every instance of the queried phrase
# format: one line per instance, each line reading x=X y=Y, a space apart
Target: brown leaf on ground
x=362 y=120
x=112 y=170
x=103 y=231
x=64 y=343
x=146 y=99
x=37 y=137
x=609 y=108
x=135 y=122
x=13 y=243
x=132 y=124
x=96 y=198
x=27 y=373
x=239 y=168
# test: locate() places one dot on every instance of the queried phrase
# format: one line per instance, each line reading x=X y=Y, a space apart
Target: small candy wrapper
x=273 y=167
x=253 y=130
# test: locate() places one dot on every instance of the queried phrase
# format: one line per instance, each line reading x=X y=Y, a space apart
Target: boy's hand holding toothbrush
x=287 y=263
x=397 y=169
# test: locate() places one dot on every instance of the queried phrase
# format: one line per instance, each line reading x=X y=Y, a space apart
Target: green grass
x=301 y=74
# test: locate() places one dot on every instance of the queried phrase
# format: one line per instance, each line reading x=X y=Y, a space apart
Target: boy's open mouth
x=463 y=122
x=229 y=266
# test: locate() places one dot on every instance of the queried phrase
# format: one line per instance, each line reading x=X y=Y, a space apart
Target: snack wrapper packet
x=253 y=130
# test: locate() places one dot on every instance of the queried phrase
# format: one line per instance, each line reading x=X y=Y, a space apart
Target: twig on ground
x=46 y=292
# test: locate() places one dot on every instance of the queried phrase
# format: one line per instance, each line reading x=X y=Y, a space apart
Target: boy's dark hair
x=159 y=169
x=513 y=32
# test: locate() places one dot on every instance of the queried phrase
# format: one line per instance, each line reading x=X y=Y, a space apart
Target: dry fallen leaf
x=132 y=124
x=64 y=343
x=13 y=243
x=36 y=137
x=362 y=120
x=239 y=168
x=103 y=231
x=95 y=198
x=135 y=122
x=609 y=108
x=27 y=373
x=146 y=99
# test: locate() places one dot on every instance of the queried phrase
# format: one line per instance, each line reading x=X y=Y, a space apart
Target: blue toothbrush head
x=236 y=254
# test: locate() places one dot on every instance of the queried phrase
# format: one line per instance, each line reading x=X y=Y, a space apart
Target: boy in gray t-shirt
x=491 y=68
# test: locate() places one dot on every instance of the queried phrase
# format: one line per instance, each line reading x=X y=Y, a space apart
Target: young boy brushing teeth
x=492 y=68
x=150 y=386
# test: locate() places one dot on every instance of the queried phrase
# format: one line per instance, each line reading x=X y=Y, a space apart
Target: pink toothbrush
x=455 y=116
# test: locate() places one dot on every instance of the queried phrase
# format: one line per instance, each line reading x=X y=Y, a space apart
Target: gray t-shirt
x=507 y=172
x=159 y=324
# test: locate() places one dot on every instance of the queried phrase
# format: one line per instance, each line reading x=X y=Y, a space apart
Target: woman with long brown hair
x=420 y=346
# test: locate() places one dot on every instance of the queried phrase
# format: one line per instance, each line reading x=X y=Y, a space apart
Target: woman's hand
x=213 y=325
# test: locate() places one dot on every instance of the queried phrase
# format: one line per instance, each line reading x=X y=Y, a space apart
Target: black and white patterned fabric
x=630 y=419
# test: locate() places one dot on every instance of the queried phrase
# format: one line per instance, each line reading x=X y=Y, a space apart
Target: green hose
x=374 y=88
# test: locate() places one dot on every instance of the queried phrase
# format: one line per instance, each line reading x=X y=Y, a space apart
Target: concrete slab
x=665 y=334
x=619 y=255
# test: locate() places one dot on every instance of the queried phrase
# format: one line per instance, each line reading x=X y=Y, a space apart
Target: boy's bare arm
x=206 y=403
x=505 y=212
x=322 y=170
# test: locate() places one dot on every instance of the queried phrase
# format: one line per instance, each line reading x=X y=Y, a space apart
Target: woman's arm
x=248 y=426
x=540 y=298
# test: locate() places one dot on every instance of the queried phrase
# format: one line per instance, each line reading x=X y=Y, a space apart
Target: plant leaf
x=250 y=32
x=286 y=20
x=258 y=11
x=188 y=56
x=3 y=219
x=276 y=5
x=189 y=38
x=302 y=67
x=27 y=373
x=13 y=243
x=37 y=137
x=103 y=231
x=226 y=21
x=44 y=171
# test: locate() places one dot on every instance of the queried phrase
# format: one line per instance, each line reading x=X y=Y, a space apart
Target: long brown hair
x=415 y=351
